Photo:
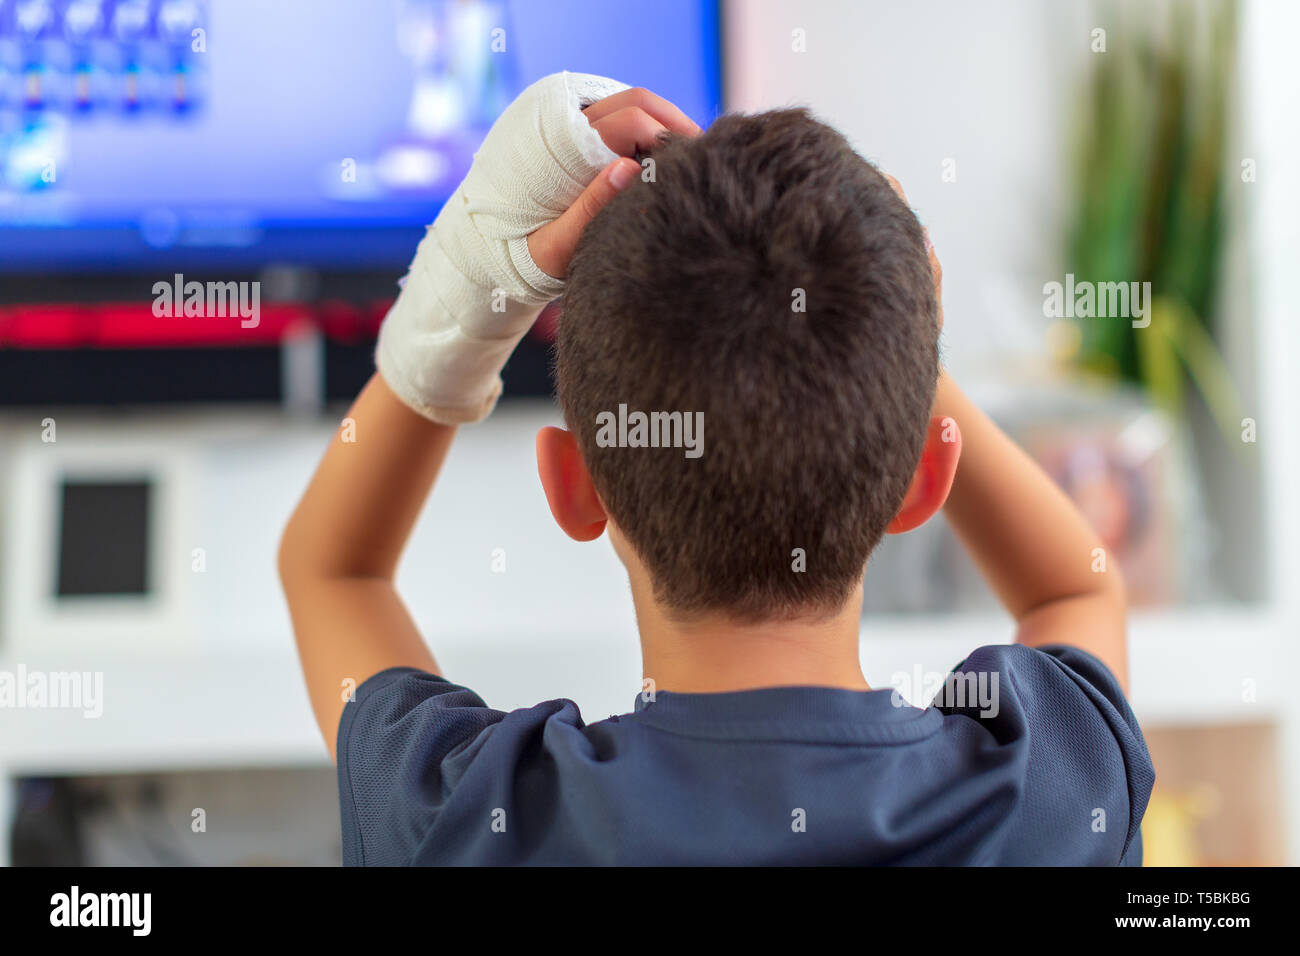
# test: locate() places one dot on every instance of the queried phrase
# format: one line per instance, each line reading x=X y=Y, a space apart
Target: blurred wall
x=978 y=84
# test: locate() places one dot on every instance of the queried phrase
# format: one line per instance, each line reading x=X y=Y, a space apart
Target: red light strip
x=134 y=325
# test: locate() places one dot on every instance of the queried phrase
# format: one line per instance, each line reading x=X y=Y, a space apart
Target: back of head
x=770 y=279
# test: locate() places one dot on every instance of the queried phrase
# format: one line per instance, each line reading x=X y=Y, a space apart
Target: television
x=301 y=145
x=152 y=136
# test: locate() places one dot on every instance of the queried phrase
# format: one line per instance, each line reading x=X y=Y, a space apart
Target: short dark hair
x=685 y=295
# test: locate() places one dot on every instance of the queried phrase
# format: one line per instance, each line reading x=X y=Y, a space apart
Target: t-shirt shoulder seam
x=772 y=739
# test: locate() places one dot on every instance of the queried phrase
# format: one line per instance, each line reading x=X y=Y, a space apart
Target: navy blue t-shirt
x=1056 y=773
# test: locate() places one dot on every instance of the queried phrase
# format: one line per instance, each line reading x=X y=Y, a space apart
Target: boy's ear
x=933 y=477
x=574 y=503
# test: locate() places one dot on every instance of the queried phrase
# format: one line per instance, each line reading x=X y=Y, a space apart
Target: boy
x=768 y=283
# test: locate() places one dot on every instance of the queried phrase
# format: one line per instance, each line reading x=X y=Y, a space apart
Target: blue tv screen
x=138 y=135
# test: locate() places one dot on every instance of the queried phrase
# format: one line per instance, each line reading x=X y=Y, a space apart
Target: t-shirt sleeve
x=1087 y=774
x=395 y=741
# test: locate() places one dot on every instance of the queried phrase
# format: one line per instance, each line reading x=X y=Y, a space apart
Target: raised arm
x=1028 y=539
x=1033 y=546
x=339 y=552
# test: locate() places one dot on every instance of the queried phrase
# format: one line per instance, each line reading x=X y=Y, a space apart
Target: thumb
x=553 y=245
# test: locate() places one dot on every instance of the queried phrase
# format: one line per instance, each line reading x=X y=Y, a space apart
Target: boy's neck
x=714 y=655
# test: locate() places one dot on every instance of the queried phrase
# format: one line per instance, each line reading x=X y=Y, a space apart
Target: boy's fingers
x=553 y=245
x=612 y=180
x=663 y=111
x=629 y=131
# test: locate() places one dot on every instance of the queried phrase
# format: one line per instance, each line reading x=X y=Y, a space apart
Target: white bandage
x=473 y=290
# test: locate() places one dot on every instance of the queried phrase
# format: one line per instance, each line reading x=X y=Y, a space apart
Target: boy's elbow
x=1112 y=587
x=289 y=561
x=1103 y=590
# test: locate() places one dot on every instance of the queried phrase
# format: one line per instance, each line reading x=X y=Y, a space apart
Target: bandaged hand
x=499 y=248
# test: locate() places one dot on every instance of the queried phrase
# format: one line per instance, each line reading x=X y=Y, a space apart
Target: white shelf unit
x=225 y=709
x=227 y=691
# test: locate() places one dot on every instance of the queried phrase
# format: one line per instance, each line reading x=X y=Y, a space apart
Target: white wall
x=1272 y=89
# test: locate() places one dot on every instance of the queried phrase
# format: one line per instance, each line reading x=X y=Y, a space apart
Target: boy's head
x=766 y=276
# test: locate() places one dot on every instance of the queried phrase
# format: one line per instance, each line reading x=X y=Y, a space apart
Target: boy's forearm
x=1029 y=540
x=357 y=513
